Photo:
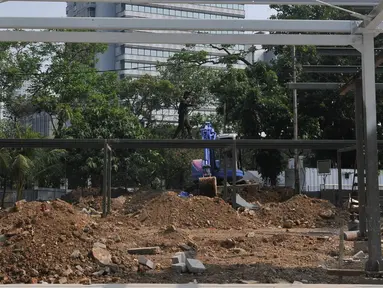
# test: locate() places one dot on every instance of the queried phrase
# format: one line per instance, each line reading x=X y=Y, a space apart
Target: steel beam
x=360 y=161
x=323 y=86
x=103 y=23
x=339 y=51
x=351 y=83
x=335 y=69
x=338 y=196
x=360 y=3
x=369 y=103
x=176 y=38
x=186 y=143
x=376 y=18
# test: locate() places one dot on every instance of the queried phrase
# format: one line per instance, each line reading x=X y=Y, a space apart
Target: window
x=122 y=49
x=122 y=64
x=147 y=9
x=91 y=12
x=141 y=8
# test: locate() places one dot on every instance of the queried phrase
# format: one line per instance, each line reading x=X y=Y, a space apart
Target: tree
x=187 y=73
x=257 y=107
x=321 y=114
x=68 y=79
x=145 y=96
x=17 y=62
x=101 y=116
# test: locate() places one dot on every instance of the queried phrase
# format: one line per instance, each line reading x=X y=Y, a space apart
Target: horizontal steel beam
x=321 y=86
x=340 y=51
x=252 y=2
x=347 y=149
x=334 y=69
x=89 y=23
x=242 y=143
x=177 y=38
x=186 y=143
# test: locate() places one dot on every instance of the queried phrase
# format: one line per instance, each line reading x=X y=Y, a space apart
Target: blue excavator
x=208 y=172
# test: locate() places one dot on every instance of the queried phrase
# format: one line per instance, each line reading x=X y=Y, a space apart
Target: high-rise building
x=138 y=59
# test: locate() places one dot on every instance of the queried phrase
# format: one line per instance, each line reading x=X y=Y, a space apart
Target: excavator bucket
x=208 y=186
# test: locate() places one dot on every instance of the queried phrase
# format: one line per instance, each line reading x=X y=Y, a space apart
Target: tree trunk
x=4 y=191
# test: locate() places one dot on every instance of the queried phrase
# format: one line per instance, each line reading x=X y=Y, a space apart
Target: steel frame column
x=234 y=175
x=105 y=180
x=369 y=103
x=338 y=197
x=360 y=160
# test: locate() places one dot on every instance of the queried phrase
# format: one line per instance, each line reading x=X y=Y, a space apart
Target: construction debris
x=58 y=243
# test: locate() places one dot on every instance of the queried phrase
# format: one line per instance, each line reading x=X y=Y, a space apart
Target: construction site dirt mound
x=117 y=204
x=299 y=211
x=38 y=238
x=255 y=193
x=192 y=212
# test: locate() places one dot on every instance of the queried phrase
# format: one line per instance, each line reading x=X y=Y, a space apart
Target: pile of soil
x=255 y=193
x=193 y=212
x=37 y=240
x=300 y=211
x=76 y=194
x=117 y=204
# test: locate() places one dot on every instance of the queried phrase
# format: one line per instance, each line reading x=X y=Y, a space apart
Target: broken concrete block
x=99 y=245
x=102 y=256
x=359 y=255
x=146 y=262
x=179 y=257
x=145 y=250
x=179 y=268
x=195 y=266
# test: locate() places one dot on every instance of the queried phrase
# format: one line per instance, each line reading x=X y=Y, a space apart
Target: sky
x=54 y=9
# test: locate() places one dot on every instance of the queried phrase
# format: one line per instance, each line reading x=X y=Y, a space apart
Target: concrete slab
x=360 y=246
x=179 y=267
x=195 y=266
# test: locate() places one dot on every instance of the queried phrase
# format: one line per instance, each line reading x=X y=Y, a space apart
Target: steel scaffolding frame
x=361 y=38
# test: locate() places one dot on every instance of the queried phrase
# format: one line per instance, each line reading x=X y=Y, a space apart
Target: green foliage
x=256 y=107
x=321 y=114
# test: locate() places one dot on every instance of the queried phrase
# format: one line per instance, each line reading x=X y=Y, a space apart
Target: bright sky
x=53 y=9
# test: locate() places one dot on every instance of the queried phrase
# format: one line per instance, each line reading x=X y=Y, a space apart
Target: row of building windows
x=151 y=52
x=176 y=12
x=227 y=6
x=127 y=65
x=157 y=52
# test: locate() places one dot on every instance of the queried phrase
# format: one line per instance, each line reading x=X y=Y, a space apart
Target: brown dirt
x=300 y=211
x=194 y=212
x=255 y=193
x=40 y=244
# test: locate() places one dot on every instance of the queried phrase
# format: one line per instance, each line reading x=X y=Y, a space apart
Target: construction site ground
x=286 y=240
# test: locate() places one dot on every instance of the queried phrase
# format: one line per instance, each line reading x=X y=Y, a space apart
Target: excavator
x=208 y=172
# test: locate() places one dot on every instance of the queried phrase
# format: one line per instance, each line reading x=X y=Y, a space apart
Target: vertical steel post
x=224 y=174
x=105 y=179
x=234 y=174
x=109 y=189
x=369 y=103
x=360 y=161
x=297 y=183
x=338 y=198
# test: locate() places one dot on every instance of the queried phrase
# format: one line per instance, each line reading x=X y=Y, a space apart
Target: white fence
x=313 y=182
